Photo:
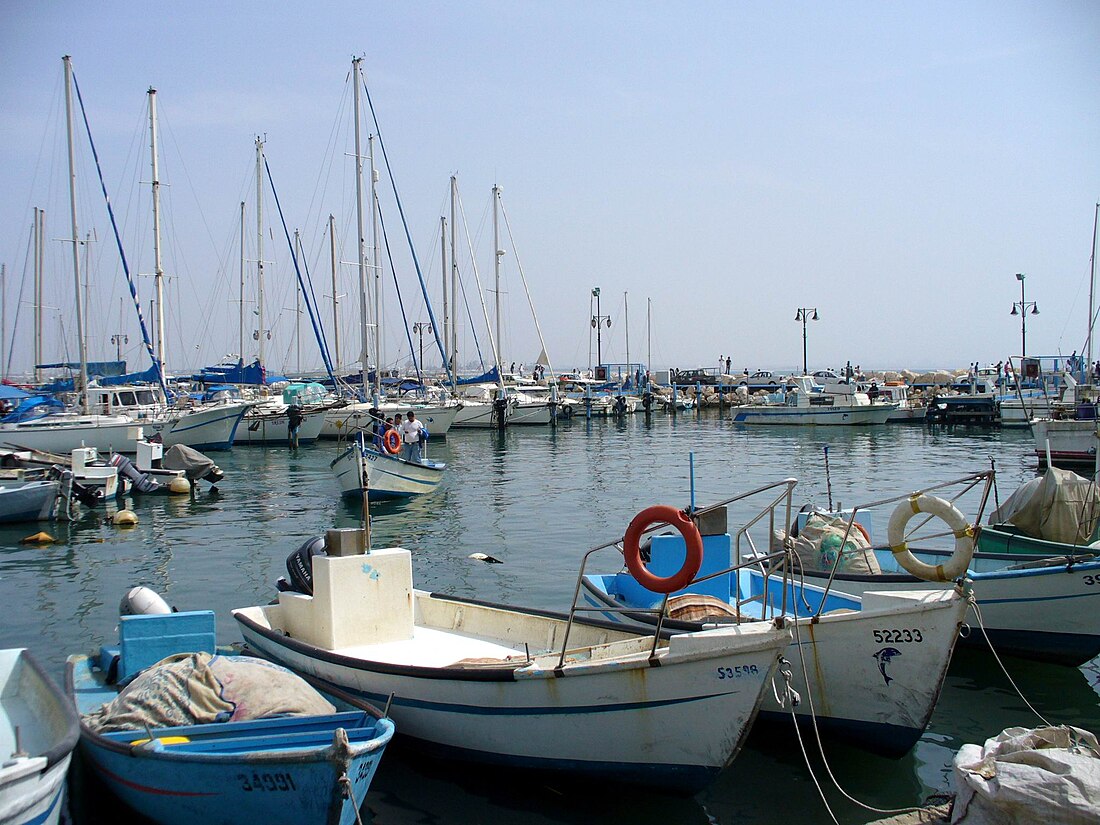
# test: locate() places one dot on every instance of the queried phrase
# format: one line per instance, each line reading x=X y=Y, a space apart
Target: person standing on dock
x=410 y=437
x=728 y=362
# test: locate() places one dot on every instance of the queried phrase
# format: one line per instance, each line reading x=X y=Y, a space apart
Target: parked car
x=696 y=376
x=762 y=377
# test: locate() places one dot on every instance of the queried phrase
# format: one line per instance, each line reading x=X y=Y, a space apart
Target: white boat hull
x=609 y=713
x=480 y=415
x=32 y=787
x=530 y=414
x=272 y=428
x=1069 y=440
x=822 y=416
x=386 y=476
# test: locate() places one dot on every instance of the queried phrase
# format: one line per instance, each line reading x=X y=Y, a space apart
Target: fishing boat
x=205 y=737
x=381 y=474
x=28 y=501
x=38 y=731
x=1043 y=608
x=798 y=403
x=520 y=687
x=861 y=687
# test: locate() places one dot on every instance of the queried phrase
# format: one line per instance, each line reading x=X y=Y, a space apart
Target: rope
x=820 y=745
x=786 y=673
x=978 y=613
x=400 y=302
x=345 y=784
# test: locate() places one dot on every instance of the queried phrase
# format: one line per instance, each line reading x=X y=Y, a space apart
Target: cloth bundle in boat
x=1049 y=775
x=1060 y=506
x=193 y=463
x=197 y=688
x=819 y=544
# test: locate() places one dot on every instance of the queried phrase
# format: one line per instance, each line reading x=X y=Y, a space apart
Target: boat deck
x=431 y=647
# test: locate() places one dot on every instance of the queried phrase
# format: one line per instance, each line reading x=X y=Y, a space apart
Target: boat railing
x=962 y=486
x=767 y=563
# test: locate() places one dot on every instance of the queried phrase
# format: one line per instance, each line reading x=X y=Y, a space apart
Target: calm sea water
x=537 y=499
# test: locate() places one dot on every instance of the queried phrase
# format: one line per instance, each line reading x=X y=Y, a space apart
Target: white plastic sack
x=1048 y=775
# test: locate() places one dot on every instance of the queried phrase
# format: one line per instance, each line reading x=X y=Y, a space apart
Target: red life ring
x=663 y=514
x=391 y=440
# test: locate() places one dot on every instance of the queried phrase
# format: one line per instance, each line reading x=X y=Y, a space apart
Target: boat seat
x=146 y=639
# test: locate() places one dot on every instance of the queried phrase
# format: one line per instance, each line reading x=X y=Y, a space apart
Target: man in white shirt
x=410 y=437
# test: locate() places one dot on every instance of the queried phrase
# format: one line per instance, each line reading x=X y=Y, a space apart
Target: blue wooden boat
x=285 y=769
x=38 y=731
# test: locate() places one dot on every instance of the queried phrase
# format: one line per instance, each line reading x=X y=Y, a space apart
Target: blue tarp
x=149 y=376
x=95 y=368
x=36 y=406
x=490 y=377
x=10 y=393
x=237 y=373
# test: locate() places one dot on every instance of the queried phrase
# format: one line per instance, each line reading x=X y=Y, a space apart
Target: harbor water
x=537 y=499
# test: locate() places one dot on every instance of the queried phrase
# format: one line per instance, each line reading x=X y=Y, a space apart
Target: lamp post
x=597 y=324
x=1020 y=308
x=420 y=327
x=118 y=340
x=803 y=315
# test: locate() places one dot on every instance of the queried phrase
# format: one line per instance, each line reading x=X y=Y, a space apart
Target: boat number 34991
x=738 y=672
x=266 y=782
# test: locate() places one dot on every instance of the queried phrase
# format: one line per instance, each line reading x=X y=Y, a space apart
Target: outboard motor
x=620 y=405
x=143 y=601
x=299 y=566
x=647 y=399
x=141 y=481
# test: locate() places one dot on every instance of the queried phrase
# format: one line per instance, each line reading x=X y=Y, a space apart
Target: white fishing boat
x=799 y=404
x=383 y=475
x=38 y=731
x=520 y=687
x=1033 y=606
x=872 y=668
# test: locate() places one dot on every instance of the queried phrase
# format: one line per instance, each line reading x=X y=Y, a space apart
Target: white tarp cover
x=1048 y=775
x=1060 y=506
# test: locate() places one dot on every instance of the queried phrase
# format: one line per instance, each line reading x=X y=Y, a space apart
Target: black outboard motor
x=299 y=566
x=500 y=412
x=647 y=400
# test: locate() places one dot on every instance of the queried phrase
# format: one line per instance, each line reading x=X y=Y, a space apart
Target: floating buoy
x=38 y=538
x=179 y=485
x=485 y=558
x=125 y=518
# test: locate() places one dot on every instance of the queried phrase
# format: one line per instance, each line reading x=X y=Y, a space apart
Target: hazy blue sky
x=891 y=164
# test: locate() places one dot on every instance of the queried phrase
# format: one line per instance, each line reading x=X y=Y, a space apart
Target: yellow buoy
x=125 y=518
x=179 y=485
x=38 y=538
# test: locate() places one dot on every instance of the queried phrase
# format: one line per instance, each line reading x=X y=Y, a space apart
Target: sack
x=819 y=544
x=1021 y=776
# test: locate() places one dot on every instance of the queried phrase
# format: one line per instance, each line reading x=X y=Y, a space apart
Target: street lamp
x=420 y=327
x=803 y=315
x=597 y=324
x=118 y=340
x=1020 y=308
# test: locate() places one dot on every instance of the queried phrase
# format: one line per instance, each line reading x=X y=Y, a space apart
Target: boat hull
x=1042 y=609
x=32 y=501
x=32 y=788
x=282 y=770
x=383 y=476
x=823 y=416
x=674 y=722
x=479 y=415
x=876 y=701
x=273 y=429
x=1069 y=441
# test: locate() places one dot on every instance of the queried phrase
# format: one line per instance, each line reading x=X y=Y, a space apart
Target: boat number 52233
x=894 y=634
x=738 y=672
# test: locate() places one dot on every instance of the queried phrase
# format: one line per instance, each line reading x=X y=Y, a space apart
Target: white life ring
x=956 y=565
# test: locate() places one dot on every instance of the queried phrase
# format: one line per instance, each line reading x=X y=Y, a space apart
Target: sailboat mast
x=260 y=245
x=240 y=328
x=649 y=333
x=39 y=265
x=454 y=289
x=497 y=254
x=356 y=78
x=377 y=265
x=1092 y=284
x=626 y=325
x=158 y=271
x=335 y=295
x=443 y=270
x=298 y=307
x=83 y=388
